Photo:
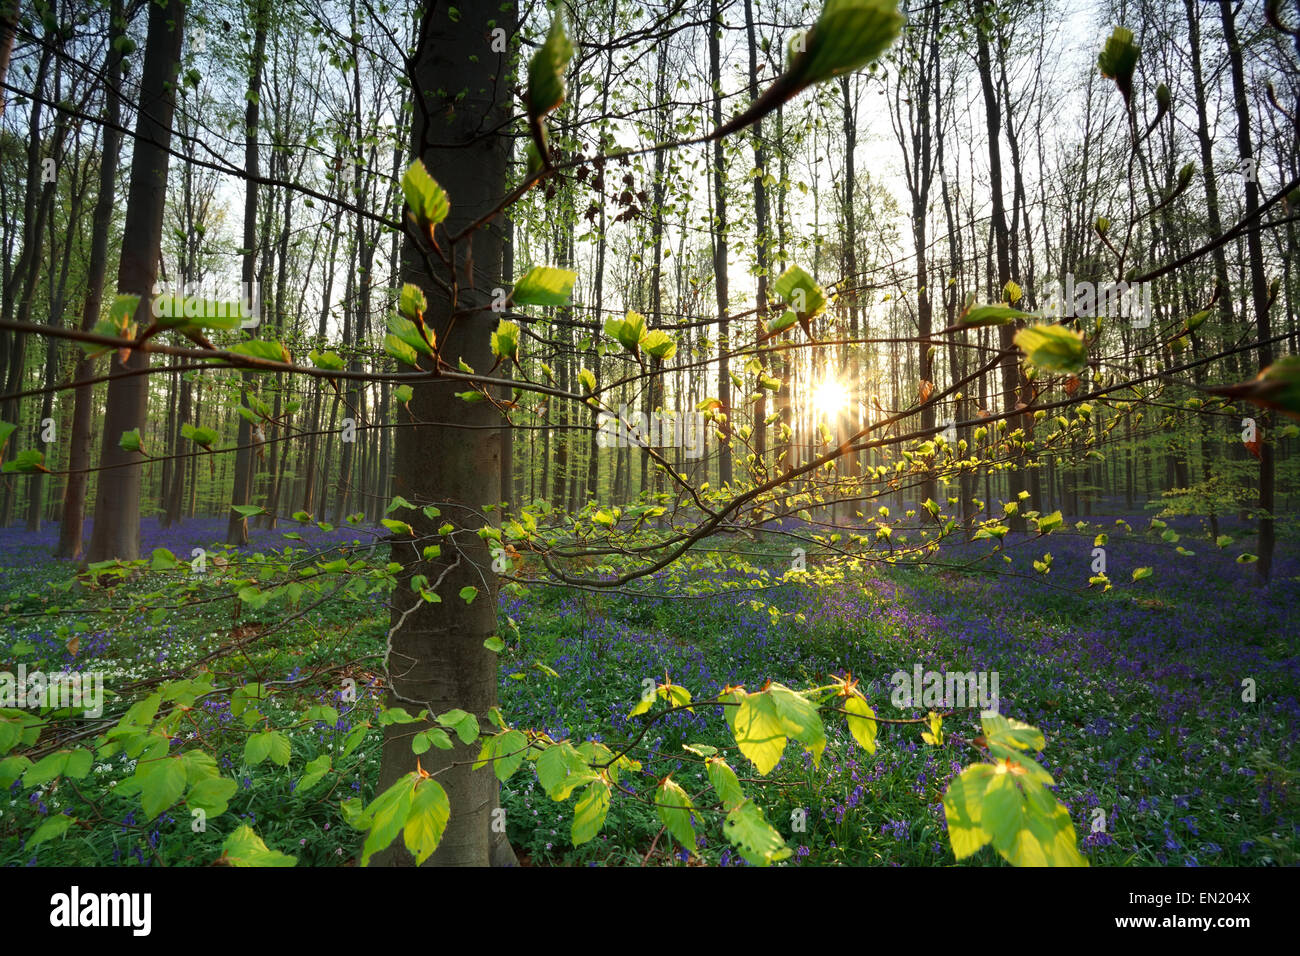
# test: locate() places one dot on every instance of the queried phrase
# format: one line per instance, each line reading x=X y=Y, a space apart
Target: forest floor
x=1142 y=692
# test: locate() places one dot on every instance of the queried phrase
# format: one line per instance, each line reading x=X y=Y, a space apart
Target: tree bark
x=116 y=531
x=437 y=659
x=237 y=524
x=1258 y=284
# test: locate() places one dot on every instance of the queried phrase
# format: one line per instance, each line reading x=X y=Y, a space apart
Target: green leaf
x=121 y=312
x=411 y=302
x=781 y=323
x=400 y=528
x=862 y=722
x=1008 y=732
x=1033 y=770
x=801 y=294
x=659 y=344
x=934 y=736
x=403 y=394
x=27 y=461
x=628 y=331
x=749 y=831
x=11 y=768
x=386 y=816
x=677 y=695
x=162 y=781
x=54 y=826
x=400 y=350
x=546 y=71
x=800 y=719
x=759 y=731
x=45 y=769
x=312 y=773
x=193 y=312
x=433 y=737
x=409 y=333
x=962 y=808
x=725 y=783
x=1278 y=387
x=506 y=752
x=848 y=35
x=643 y=705
x=131 y=441
x=281 y=749
x=590 y=811
x=1118 y=59
x=429 y=204
x=542 y=285
x=1029 y=827
x=200 y=435
x=1140 y=573
x=257 y=748
x=1048 y=523
x=982 y=315
x=327 y=360
x=273 y=351
x=675 y=808
x=561 y=770
x=426 y=821
x=245 y=848
x=464 y=724
x=1053 y=348
x=505 y=340
x=212 y=795
x=162 y=560
x=78 y=765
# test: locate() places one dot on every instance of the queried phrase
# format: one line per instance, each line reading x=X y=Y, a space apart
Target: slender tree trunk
x=8 y=27
x=1006 y=333
x=1259 y=286
x=116 y=530
x=237 y=527
x=720 y=249
x=58 y=291
x=761 y=253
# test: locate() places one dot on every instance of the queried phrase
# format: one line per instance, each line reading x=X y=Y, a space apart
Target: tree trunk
x=1006 y=333
x=8 y=27
x=237 y=525
x=437 y=659
x=116 y=531
x=1259 y=287
x=720 y=249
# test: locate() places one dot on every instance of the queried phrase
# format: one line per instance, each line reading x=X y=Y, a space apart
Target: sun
x=829 y=398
